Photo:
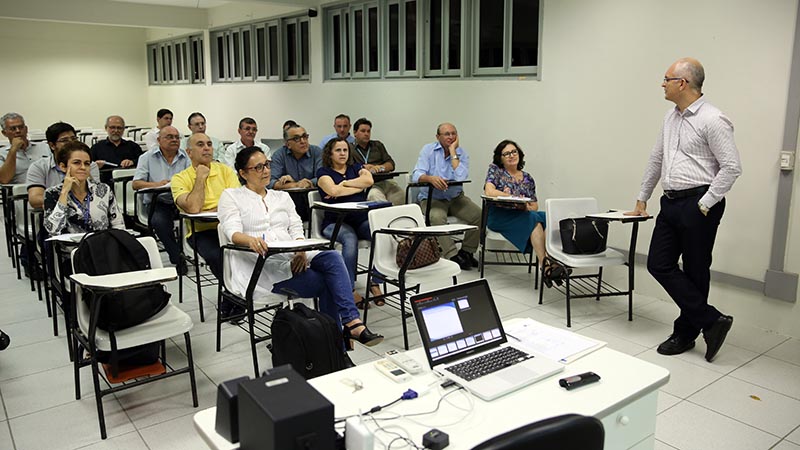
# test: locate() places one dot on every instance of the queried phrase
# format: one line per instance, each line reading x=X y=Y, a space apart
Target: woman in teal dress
x=523 y=226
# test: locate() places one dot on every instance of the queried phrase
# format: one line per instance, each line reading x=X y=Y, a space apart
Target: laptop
x=464 y=341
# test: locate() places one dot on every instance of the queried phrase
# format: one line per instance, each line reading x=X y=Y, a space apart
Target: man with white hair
x=20 y=153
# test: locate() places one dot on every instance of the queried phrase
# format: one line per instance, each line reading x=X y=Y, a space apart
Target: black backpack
x=308 y=340
x=114 y=251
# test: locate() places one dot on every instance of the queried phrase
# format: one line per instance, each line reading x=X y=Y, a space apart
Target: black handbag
x=583 y=236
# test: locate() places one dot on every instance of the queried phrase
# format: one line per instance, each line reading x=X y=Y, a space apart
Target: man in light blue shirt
x=342 y=126
x=439 y=162
x=197 y=124
x=155 y=169
x=296 y=166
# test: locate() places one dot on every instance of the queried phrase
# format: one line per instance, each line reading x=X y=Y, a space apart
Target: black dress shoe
x=675 y=345
x=4 y=341
x=467 y=256
x=463 y=263
x=715 y=335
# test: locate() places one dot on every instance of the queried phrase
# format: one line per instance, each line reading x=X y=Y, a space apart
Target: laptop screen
x=457 y=321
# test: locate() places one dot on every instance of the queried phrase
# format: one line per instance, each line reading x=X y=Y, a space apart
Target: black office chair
x=567 y=432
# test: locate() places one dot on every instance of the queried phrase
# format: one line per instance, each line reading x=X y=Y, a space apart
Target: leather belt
x=672 y=195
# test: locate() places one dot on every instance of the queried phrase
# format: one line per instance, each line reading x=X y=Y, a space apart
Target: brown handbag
x=427 y=253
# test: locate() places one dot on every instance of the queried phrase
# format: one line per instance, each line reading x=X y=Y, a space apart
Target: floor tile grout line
x=735 y=419
x=8 y=419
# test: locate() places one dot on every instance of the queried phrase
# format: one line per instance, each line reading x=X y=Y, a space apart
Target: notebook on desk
x=464 y=341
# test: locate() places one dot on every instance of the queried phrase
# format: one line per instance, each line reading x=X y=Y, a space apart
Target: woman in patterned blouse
x=522 y=226
x=79 y=204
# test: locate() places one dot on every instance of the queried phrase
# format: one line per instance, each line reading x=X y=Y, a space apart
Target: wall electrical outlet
x=787 y=160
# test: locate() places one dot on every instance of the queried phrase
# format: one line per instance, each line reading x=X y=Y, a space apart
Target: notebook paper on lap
x=460 y=330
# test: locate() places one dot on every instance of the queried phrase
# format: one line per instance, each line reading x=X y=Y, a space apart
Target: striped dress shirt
x=695 y=148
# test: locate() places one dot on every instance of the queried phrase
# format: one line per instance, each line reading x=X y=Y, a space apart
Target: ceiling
x=205 y=4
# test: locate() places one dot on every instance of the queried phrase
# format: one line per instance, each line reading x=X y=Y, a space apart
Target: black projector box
x=281 y=411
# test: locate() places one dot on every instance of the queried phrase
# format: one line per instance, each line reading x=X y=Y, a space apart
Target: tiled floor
x=749 y=398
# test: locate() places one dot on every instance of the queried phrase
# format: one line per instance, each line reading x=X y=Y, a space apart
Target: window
x=266 y=55
x=176 y=61
x=401 y=45
x=264 y=51
x=507 y=37
x=444 y=33
x=431 y=38
x=296 y=49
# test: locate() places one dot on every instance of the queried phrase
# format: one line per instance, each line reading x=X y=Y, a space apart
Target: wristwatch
x=381 y=168
x=703 y=208
x=455 y=157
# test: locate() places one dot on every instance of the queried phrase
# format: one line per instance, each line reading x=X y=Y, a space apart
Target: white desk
x=625 y=400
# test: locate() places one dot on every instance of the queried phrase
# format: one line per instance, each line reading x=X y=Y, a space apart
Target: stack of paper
x=552 y=343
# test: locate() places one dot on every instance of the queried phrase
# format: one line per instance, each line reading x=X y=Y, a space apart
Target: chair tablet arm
x=20 y=196
x=124 y=280
x=125 y=178
x=434 y=230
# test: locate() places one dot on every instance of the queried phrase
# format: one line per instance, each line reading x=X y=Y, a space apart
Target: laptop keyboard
x=488 y=363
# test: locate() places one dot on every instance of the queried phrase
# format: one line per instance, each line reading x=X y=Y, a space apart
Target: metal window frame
x=300 y=49
x=197 y=46
x=402 y=41
x=445 y=39
x=343 y=13
x=506 y=68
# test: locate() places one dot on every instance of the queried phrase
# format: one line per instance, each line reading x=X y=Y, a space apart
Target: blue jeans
x=348 y=237
x=327 y=280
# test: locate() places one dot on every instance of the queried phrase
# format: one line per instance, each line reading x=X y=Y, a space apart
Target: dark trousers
x=163 y=224
x=682 y=231
x=207 y=245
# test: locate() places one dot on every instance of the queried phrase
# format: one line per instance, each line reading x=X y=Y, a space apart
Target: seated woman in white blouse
x=254 y=216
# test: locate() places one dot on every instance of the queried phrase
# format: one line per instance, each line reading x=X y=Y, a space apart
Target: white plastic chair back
x=127 y=208
x=142 y=208
x=170 y=321
x=562 y=208
x=317 y=215
x=19 y=207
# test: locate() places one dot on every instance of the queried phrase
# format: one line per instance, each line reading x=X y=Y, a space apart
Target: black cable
x=374 y=409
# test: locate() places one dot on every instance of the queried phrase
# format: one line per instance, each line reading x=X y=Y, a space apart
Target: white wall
x=587 y=127
x=76 y=73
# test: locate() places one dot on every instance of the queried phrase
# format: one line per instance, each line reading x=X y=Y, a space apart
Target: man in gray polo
x=20 y=153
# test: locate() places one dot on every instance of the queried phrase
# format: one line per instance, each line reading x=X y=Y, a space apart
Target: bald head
x=691 y=70
x=201 y=149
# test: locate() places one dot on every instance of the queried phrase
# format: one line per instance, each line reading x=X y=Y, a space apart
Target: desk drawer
x=632 y=423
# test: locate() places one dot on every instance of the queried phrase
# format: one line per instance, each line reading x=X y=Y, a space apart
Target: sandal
x=359 y=301
x=547 y=272
x=375 y=291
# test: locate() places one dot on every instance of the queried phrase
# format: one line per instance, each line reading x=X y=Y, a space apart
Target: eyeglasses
x=114 y=127
x=16 y=127
x=509 y=153
x=298 y=138
x=259 y=167
x=172 y=137
x=64 y=140
x=668 y=79
x=449 y=134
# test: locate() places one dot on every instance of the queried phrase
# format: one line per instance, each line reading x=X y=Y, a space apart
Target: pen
x=514 y=337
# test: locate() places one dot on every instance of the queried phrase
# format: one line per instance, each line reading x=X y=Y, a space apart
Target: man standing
x=197 y=124
x=197 y=189
x=375 y=158
x=45 y=173
x=696 y=159
x=164 y=119
x=341 y=124
x=116 y=151
x=155 y=169
x=247 y=138
x=439 y=162
x=17 y=157
x=297 y=166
